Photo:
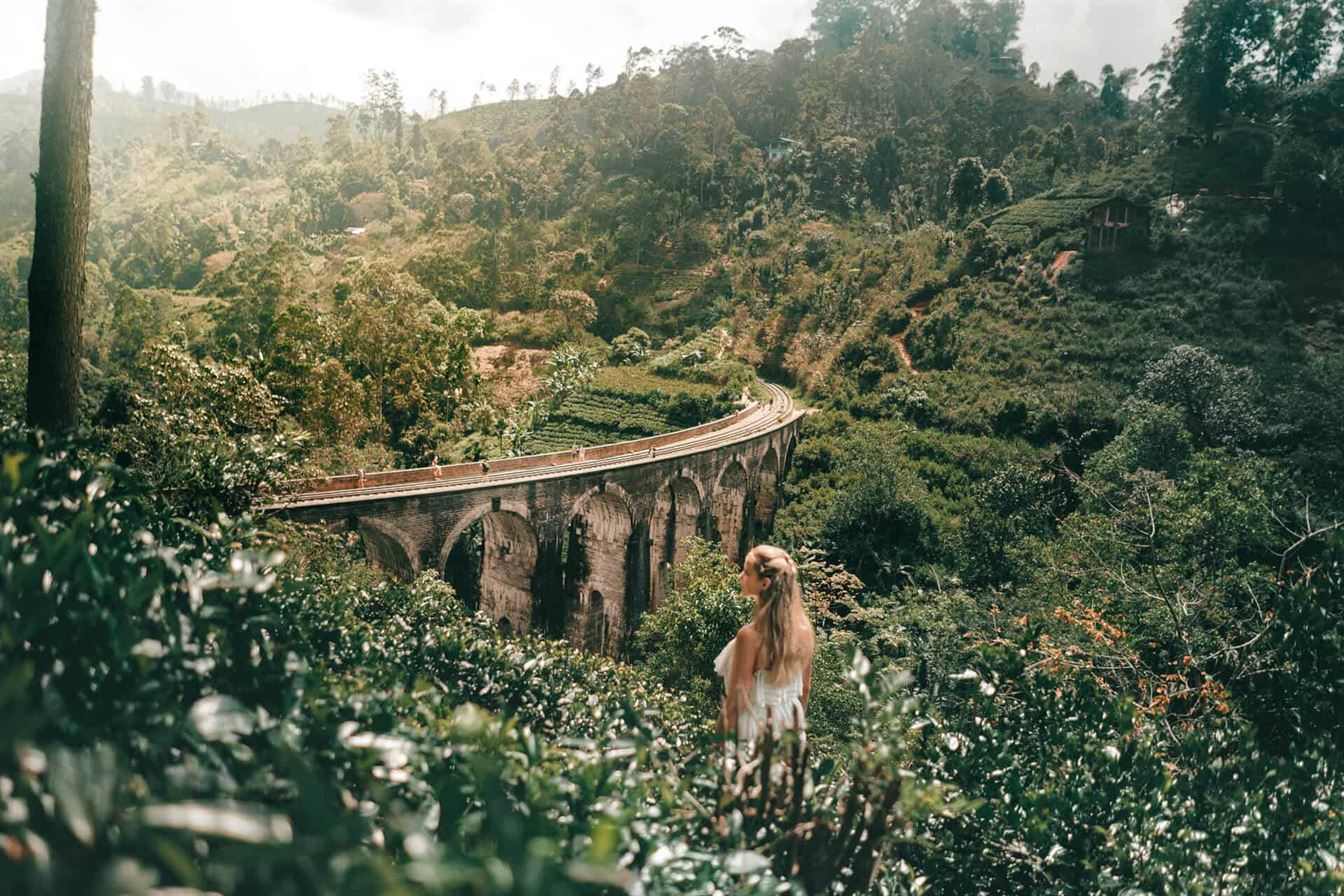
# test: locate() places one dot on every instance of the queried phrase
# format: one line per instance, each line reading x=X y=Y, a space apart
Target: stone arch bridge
x=576 y=544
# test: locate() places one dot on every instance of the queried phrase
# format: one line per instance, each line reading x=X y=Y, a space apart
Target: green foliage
x=1010 y=514
x=1121 y=588
x=998 y=189
x=624 y=403
x=838 y=173
x=574 y=307
x=1154 y=438
x=137 y=320
x=1027 y=223
x=444 y=273
x=243 y=722
x=13 y=384
x=984 y=248
x=702 y=611
x=834 y=708
x=887 y=499
x=1218 y=400
x=210 y=739
x=13 y=309
x=569 y=371
x=966 y=189
x=869 y=513
x=1229 y=51
x=390 y=363
x=631 y=347
x=1203 y=817
x=205 y=434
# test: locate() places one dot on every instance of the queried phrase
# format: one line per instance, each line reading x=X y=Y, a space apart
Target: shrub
x=984 y=248
x=573 y=308
x=966 y=186
x=892 y=318
x=1010 y=512
x=997 y=188
x=443 y=272
x=1219 y=400
x=1154 y=438
x=1208 y=813
x=877 y=522
x=236 y=727
x=678 y=641
x=207 y=434
x=632 y=347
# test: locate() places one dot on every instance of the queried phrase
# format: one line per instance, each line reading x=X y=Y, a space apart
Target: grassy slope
x=497 y=121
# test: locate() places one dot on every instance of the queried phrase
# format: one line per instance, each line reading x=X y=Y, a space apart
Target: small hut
x=1117 y=225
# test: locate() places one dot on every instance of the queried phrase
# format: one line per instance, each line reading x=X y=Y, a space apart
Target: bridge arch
x=600 y=585
x=729 y=508
x=677 y=509
x=389 y=548
x=766 y=496
x=490 y=557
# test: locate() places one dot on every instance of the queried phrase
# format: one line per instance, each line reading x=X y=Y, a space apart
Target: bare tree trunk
x=56 y=282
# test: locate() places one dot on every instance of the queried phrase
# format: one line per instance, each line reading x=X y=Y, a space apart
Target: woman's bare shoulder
x=747 y=634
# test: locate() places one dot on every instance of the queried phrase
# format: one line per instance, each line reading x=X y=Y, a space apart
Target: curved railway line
x=759 y=418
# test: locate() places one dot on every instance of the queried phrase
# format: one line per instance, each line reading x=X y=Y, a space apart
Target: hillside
x=501 y=122
x=118 y=117
x=287 y=122
x=1066 y=514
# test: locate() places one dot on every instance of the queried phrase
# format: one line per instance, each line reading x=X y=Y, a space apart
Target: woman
x=767 y=668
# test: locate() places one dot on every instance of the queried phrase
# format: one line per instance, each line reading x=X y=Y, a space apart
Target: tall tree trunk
x=56 y=282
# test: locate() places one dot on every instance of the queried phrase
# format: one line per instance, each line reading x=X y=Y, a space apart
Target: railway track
x=776 y=412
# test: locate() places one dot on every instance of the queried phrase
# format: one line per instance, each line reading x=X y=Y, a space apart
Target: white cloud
x=1084 y=36
x=436 y=16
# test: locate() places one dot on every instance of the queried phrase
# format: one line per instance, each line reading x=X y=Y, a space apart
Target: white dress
x=780 y=704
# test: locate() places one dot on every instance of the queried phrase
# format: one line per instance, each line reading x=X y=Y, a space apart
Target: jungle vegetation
x=1069 y=524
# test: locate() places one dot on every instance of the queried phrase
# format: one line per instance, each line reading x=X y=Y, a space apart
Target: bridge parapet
x=473 y=469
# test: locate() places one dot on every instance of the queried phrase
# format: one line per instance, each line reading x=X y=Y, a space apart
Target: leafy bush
x=232 y=728
x=1208 y=814
x=1219 y=401
x=236 y=724
x=631 y=347
x=678 y=641
x=207 y=434
x=1154 y=438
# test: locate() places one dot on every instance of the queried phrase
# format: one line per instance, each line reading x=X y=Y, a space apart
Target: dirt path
x=1060 y=263
x=512 y=374
x=917 y=312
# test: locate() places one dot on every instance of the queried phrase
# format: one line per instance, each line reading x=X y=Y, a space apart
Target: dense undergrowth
x=188 y=707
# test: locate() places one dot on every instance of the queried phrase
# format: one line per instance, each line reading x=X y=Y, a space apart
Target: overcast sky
x=240 y=48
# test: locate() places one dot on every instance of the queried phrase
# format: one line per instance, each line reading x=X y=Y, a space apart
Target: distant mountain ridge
x=286 y=121
x=119 y=115
x=24 y=82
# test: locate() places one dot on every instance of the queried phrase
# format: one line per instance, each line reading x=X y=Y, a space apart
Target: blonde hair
x=786 y=633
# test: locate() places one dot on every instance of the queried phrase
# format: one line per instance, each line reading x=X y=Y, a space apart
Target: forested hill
x=1067 y=518
x=157 y=114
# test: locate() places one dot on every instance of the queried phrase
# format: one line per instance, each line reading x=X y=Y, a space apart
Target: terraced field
x=624 y=404
x=595 y=419
x=1027 y=223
